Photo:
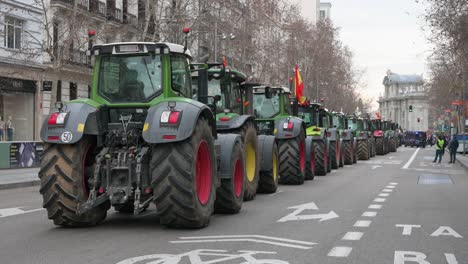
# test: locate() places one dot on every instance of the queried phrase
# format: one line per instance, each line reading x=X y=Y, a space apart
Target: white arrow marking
x=375 y=167
x=15 y=211
x=294 y=216
x=248 y=238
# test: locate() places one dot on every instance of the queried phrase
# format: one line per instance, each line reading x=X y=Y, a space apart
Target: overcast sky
x=383 y=34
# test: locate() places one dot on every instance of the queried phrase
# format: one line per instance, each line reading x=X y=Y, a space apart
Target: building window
x=73 y=91
x=13 y=31
x=322 y=13
x=59 y=91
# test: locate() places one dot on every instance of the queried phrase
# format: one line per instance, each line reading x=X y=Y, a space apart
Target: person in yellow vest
x=440 y=146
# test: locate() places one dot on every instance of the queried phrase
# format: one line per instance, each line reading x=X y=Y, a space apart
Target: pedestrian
x=440 y=145
x=453 y=146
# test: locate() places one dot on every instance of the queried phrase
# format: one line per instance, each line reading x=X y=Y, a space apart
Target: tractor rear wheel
x=184 y=179
x=349 y=152
x=335 y=154
x=248 y=133
x=230 y=195
x=392 y=145
x=363 y=149
x=292 y=160
x=342 y=155
x=310 y=162
x=64 y=174
x=321 y=157
x=379 y=146
x=269 y=179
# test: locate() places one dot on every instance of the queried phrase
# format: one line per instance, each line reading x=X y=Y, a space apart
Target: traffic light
x=411 y=108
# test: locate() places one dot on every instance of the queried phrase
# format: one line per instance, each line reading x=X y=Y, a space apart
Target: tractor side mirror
x=268 y=93
x=217 y=98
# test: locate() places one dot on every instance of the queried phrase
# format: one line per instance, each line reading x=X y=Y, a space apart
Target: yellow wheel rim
x=250 y=162
x=275 y=168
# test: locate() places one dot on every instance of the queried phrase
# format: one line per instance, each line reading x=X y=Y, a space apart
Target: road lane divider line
x=390 y=187
x=369 y=214
x=353 y=236
x=384 y=194
x=375 y=206
x=393 y=183
x=379 y=200
x=362 y=223
x=406 y=166
x=387 y=190
x=340 y=252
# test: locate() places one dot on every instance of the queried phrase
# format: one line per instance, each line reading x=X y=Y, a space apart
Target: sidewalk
x=17 y=178
x=462 y=160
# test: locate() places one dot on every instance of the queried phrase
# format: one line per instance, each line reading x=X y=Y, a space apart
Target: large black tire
x=292 y=160
x=342 y=155
x=379 y=146
x=269 y=179
x=310 y=161
x=321 y=157
x=335 y=154
x=392 y=145
x=329 y=168
x=363 y=149
x=174 y=168
x=372 y=147
x=230 y=195
x=64 y=183
x=248 y=133
x=349 y=153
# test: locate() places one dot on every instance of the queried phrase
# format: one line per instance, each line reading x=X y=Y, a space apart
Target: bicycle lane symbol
x=195 y=257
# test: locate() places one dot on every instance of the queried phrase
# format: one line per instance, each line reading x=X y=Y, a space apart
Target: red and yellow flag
x=298 y=86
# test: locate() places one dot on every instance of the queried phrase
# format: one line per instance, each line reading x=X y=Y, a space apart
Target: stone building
x=403 y=92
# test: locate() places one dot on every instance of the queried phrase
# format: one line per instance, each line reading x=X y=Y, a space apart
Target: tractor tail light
x=57 y=119
x=224 y=118
x=288 y=126
x=170 y=117
x=317 y=129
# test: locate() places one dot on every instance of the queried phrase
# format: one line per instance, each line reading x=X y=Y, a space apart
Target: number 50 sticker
x=66 y=137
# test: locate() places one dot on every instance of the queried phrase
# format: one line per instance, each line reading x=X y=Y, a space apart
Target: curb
x=463 y=164
x=15 y=185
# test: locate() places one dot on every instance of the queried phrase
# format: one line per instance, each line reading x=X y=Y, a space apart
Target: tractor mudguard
x=227 y=143
x=378 y=133
x=235 y=122
x=332 y=134
x=265 y=145
x=74 y=127
x=309 y=148
x=190 y=110
x=282 y=133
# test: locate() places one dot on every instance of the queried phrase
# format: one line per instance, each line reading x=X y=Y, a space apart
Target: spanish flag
x=298 y=86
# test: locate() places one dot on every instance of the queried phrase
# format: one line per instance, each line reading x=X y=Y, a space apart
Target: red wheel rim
x=312 y=161
x=203 y=172
x=238 y=178
x=302 y=156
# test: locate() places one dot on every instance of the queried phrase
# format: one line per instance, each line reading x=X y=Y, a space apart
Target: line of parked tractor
x=149 y=134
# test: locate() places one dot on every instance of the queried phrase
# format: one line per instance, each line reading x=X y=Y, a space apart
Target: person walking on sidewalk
x=453 y=146
x=440 y=146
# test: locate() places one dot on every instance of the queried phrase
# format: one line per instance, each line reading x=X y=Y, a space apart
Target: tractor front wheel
x=252 y=164
x=64 y=174
x=349 y=152
x=184 y=179
x=363 y=149
x=230 y=195
x=269 y=179
x=292 y=158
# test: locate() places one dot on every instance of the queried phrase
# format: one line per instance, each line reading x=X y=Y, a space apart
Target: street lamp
x=223 y=36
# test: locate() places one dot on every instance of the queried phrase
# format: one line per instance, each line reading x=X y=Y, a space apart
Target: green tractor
x=380 y=137
x=340 y=121
x=225 y=86
x=368 y=127
x=141 y=138
x=350 y=141
x=390 y=130
x=364 y=142
x=272 y=109
x=317 y=141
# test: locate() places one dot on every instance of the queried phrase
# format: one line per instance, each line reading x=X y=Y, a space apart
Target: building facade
x=325 y=10
x=405 y=101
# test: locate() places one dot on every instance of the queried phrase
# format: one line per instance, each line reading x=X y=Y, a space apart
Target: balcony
x=130 y=19
x=115 y=15
x=97 y=7
x=82 y=4
x=73 y=56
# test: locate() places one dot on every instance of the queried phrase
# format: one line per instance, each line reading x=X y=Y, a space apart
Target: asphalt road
x=373 y=212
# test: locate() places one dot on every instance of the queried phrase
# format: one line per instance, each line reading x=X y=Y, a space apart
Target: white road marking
x=295 y=215
x=352 y=236
x=407 y=229
x=384 y=194
x=340 y=252
x=16 y=211
x=390 y=186
x=402 y=257
x=451 y=258
x=375 y=167
x=277 y=192
x=380 y=200
x=406 y=166
x=369 y=214
x=387 y=190
x=362 y=223
x=375 y=206
x=246 y=238
x=445 y=231
x=393 y=183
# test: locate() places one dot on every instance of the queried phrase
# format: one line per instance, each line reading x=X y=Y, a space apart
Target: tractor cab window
x=236 y=98
x=266 y=107
x=360 y=125
x=324 y=120
x=214 y=88
x=130 y=78
x=287 y=104
x=336 y=121
x=352 y=123
x=180 y=75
